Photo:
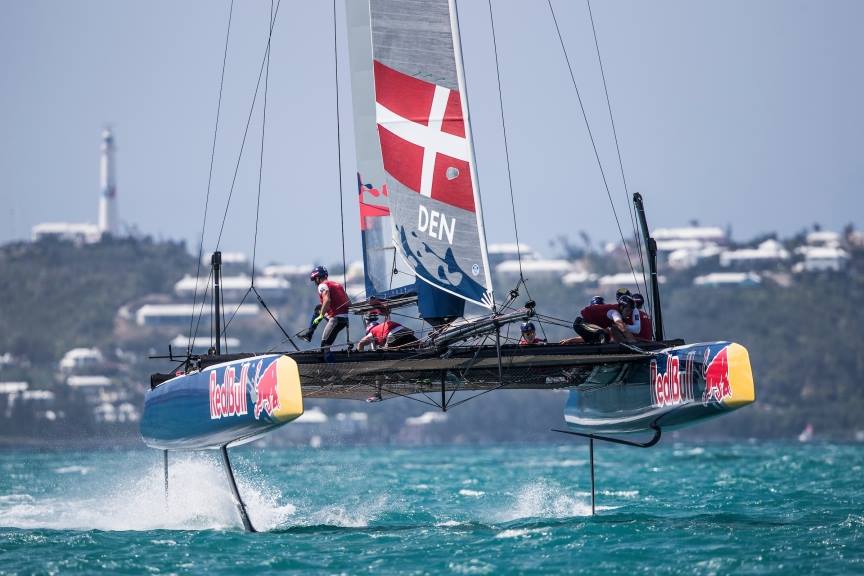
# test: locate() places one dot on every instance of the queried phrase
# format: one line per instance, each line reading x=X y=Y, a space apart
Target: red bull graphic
x=670 y=387
x=266 y=394
x=716 y=373
x=229 y=397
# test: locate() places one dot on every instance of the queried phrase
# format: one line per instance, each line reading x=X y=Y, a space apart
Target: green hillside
x=803 y=333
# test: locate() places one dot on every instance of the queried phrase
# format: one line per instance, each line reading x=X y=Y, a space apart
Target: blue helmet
x=597 y=300
x=528 y=327
x=318 y=272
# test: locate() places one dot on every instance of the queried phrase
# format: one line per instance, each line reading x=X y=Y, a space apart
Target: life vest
x=599 y=314
x=338 y=299
x=381 y=331
x=646 y=330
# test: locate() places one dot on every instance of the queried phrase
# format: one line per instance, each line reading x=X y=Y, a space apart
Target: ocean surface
x=755 y=508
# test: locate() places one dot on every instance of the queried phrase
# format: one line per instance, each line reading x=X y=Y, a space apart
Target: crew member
x=529 y=335
x=387 y=335
x=616 y=319
x=334 y=307
x=646 y=331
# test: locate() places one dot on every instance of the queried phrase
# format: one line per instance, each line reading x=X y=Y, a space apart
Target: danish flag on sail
x=422 y=135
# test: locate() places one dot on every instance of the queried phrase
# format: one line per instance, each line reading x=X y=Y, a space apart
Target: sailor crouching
x=387 y=335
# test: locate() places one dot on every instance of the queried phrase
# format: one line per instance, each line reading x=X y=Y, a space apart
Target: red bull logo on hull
x=716 y=373
x=266 y=393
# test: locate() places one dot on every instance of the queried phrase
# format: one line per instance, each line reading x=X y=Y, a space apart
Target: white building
x=823 y=238
x=238 y=259
x=534 y=268
x=78 y=233
x=289 y=271
x=579 y=277
x=821 y=259
x=716 y=279
x=712 y=234
x=502 y=252
x=91 y=382
x=235 y=287
x=767 y=253
x=202 y=343
x=623 y=280
x=174 y=314
x=82 y=359
x=682 y=259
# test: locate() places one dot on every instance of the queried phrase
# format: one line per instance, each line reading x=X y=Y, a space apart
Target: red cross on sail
x=422 y=134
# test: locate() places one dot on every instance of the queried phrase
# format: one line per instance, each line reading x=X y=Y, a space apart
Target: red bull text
x=229 y=397
x=671 y=387
x=716 y=372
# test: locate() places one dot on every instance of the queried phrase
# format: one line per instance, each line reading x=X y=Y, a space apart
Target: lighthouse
x=107 y=185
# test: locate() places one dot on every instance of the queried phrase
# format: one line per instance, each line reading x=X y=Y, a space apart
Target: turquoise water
x=673 y=509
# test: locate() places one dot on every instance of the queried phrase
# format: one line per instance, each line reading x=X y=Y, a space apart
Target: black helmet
x=626 y=300
x=639 y=300
x=598 y=300
x=318 y=272
x=528 y=327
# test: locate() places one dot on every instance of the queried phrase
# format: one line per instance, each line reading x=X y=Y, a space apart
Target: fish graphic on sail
x=425 y=145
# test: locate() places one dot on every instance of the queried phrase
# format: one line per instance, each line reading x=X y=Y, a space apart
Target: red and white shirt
x=338 y=299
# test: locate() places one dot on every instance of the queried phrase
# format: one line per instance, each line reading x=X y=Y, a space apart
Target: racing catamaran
x=424 y=243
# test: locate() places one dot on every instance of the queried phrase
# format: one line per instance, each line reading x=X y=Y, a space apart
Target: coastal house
x=508 y=271
x=79 y=360
x=180 y=314
x=75 y=232
x=769 y=253
x=271 y=288
x=716 y=279
x=821 y=259
x=509 y=251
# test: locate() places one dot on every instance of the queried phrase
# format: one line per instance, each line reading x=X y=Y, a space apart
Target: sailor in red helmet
x=334 y=308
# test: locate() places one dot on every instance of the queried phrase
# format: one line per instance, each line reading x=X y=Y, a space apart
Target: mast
x=475 y=179
x=216 y=263
x=651 y=248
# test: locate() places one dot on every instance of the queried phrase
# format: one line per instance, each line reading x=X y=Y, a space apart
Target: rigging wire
x=261 y=155
x=209 y=183
x=506 y=147
x=627 y=200
x=339 y=161
x=593 y=142
x=507 y=160
x=246 y=130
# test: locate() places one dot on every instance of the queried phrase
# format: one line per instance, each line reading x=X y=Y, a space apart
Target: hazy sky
x=739 y=113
